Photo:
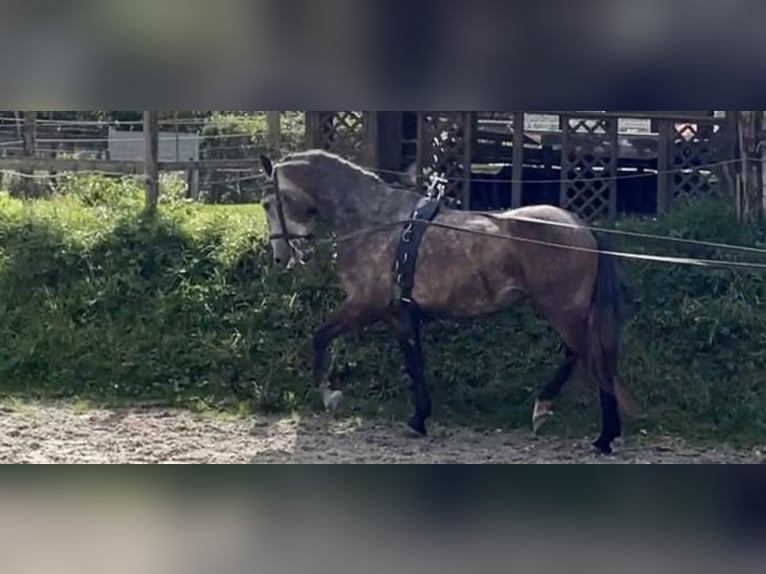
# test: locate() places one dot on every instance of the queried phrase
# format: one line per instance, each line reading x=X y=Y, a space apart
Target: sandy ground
x=63 y=434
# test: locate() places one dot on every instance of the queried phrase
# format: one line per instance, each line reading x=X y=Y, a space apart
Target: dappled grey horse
x=469 y=265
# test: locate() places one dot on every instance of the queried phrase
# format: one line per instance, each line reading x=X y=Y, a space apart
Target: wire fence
x=225 y=138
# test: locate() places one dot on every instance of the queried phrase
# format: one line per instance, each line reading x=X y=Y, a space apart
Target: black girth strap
x=409 y=244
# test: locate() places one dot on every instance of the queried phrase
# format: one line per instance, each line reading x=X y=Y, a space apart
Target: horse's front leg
x=351 y=316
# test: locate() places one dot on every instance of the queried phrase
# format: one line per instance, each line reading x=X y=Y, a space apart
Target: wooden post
x=178 y=140
x=763 y=172
x=564 y=186
x=423 y=148
x=370 y=137
x=315 y=138
x=468 y=130
x=19 y=130
x=517 y=189
x=728 y=150
x=388 y=140
x=312 y=129
x=192 y=182
x=751 y=187
x=273 y=119
x=664 y=177
x=29 y=137
x=614 y=166
x=151 y=159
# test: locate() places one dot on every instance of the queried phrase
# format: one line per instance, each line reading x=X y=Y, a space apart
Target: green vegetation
x=236 y=135
x=99 y=304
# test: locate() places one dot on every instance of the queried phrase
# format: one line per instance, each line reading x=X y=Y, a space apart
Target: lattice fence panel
x=589 y=168
x=342 y=133
x=692 y=154
x=444 y=142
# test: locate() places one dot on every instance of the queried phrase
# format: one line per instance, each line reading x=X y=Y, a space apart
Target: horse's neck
x=371 y=204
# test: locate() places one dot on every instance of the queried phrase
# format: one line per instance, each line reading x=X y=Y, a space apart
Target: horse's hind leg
x=571 y=327
x=612 y=424
x=407 y=330
x=544 y=403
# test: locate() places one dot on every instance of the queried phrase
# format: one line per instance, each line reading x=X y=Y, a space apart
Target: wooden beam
x=676 y=117
x=614 y=165
x=665 y=189
x=151 y=159
x=468 y=129
x=423 y=147
x=517 y=188
x=389 y=144
x=273 y=120
x=313 y=128
x=118 y=167
x=565 y=163
x=751 y=185
x=370 y=140
x=29 y=137
x=762 y=147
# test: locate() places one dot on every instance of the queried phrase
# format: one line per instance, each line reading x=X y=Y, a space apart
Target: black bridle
x=284 y=235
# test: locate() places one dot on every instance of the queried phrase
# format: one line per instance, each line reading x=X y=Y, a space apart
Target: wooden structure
x=597 y=164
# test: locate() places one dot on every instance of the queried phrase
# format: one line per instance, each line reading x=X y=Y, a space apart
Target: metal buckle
x=303 y=255
x=407 y=235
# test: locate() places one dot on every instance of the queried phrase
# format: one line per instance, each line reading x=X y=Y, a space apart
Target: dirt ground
x=64 y=434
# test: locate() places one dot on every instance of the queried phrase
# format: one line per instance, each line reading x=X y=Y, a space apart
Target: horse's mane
x=319 y=155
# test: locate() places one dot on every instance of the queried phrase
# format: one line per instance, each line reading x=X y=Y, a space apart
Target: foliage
x=233 y=135
x=98 y=303
x=697 y=342
x=98 y=191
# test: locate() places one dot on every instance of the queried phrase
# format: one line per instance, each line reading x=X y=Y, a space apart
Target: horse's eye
x=267 y=205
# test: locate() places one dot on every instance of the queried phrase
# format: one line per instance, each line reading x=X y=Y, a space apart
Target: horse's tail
x=605 y=325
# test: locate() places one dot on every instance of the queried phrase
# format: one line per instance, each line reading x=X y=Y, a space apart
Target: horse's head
x=291 y=213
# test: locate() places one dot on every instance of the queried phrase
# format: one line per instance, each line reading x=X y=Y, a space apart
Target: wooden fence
x=597 y=164
x=139 y=153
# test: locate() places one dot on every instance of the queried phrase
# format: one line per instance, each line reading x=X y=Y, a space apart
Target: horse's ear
x=268 y=167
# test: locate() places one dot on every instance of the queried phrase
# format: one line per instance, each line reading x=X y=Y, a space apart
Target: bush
x=126 y=192
x=696 y=348
x=99 y=303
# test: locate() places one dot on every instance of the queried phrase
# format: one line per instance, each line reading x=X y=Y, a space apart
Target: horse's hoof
x=332 y=401
x=417 y=428
x=603 y=447
x=543 y=413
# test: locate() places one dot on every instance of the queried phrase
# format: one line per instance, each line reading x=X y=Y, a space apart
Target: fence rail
x=28 y=164
x=224 y=169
